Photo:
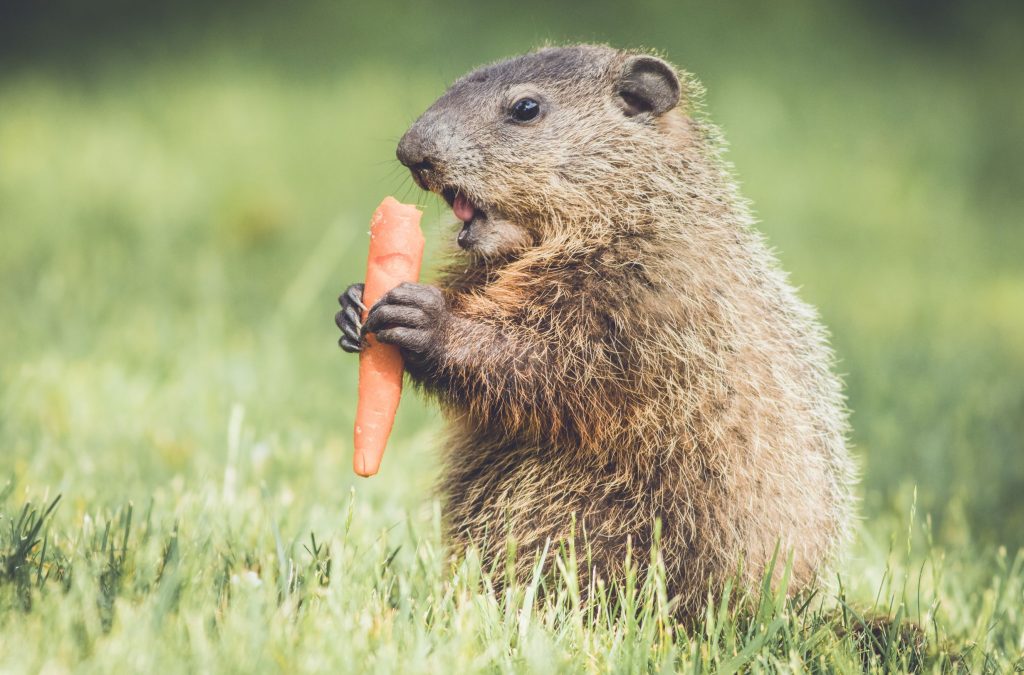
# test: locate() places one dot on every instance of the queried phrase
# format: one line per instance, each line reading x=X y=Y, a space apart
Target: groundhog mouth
x=465 y=209
x=461 y=205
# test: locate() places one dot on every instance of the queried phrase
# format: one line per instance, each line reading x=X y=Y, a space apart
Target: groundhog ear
x=648 y=84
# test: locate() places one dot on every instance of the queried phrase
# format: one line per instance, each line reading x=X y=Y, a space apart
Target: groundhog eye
x=525 y=109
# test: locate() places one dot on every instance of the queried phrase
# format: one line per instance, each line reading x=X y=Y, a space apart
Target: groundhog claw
x=348 y=320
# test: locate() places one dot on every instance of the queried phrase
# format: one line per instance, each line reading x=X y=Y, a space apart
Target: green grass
x=176 y=222
x=226 y=578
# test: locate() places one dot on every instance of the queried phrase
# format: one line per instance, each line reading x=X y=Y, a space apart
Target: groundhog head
x=547 y=144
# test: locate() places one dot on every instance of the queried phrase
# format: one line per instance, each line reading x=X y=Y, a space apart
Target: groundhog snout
x=417 y=155
x=419 y=152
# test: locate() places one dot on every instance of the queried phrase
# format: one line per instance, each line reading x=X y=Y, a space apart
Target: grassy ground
x=211 y=578
x=176 y=222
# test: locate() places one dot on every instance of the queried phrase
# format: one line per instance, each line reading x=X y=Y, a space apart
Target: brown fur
x=643 y=357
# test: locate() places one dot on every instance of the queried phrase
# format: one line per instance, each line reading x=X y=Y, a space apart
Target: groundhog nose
x=415 y=153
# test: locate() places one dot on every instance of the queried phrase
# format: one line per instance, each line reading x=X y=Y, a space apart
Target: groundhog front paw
x=348 y=319
x=411 y=317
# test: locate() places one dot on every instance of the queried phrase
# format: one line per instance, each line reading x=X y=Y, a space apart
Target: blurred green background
x=184 y=190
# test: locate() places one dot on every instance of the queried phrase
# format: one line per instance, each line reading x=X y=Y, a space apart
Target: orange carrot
x=396 y=252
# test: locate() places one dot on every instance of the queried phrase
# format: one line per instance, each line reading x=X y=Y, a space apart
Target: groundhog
x=614 y=345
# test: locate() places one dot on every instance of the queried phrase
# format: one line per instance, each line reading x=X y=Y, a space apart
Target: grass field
x=178 y=214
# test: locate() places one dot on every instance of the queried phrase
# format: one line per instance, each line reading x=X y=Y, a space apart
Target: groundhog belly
x=710 y=520
x=496 y=492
